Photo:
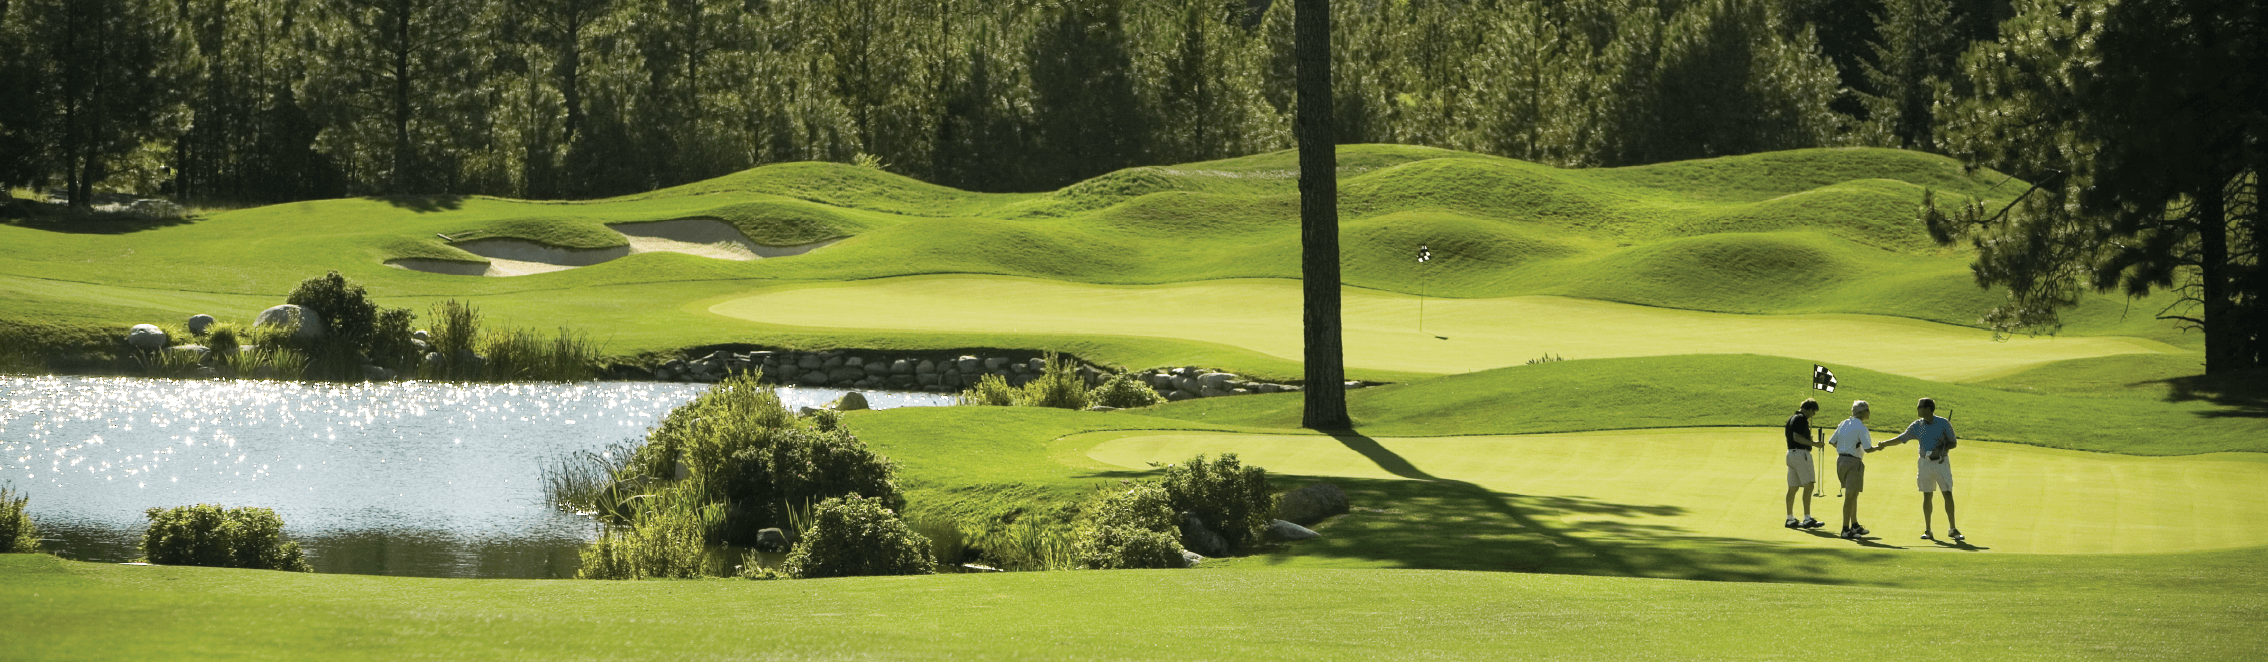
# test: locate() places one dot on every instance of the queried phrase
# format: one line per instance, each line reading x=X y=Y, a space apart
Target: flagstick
x=1421 y=298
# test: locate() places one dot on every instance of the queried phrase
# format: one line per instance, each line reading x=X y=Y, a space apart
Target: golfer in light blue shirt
x=1934 y=468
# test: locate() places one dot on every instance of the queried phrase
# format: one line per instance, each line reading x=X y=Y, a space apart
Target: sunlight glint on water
x=409 y=478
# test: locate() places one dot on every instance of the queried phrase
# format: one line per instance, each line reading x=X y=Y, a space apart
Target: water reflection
x=401 y=479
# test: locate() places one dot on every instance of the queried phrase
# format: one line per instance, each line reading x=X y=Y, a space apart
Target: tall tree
x=1088 y=118
x=400 y=85
x=98 y=77
x=1326 y=388
x=2140 y=123
x=1915 y=53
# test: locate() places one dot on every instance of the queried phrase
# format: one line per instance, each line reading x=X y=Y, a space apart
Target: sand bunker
x=708 y=238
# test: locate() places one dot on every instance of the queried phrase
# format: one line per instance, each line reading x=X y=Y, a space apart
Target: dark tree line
x=249 y=101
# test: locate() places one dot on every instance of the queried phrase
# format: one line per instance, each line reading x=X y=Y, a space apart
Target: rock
x=811 y=362
x=1200 y=539
x=681 y=472
x=1288 y=532
x=875 y=368
x=199 y=350
x=1185 y=383
x=198 y=324
x=376 y=373
x=901 y=367
x=1190 y=559
x=146 y=337
x=1210 y=392
x=926 y=367
x=1102 y=408
x=844 y=375
x=852 y=401
x=1089 y=375
x=421 y=336
x=1178 y=395
x=813 y=378
x=1311 y=504
x=307 y=323
x=1158 y=380
x=832 y=363
x=855 y=362
x=994 y=364
x=1216 y=380
x=771 y=541
x=1036 y=365
x=967 y=365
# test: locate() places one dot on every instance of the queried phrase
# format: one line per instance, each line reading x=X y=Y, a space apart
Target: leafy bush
x=1232 y=499
x=17 y=532
x=757 y=459
x=665 y=538
x=1059 y=387
x=208 y=535
x=356 y=330
x=1129 y=528
x=990 y=391
x=1125 y=391
x=858 y=536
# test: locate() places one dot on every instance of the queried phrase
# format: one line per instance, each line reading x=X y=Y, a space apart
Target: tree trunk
x=2223 y=335
x=1326 y=390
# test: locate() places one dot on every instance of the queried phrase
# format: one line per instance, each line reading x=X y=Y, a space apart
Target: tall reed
x=451 y=339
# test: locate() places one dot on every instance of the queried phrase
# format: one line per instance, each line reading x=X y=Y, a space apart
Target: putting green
x=1728 y=483
x=1381 y=329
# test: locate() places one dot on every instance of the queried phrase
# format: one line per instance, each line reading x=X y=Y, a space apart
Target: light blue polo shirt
x=1933 y=433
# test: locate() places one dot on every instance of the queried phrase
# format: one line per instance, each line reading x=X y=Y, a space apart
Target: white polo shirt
x=1851 y=438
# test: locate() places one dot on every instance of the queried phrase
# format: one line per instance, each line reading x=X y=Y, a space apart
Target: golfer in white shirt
x=1852 y=442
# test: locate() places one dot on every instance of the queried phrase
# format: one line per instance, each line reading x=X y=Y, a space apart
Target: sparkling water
x=409 y=478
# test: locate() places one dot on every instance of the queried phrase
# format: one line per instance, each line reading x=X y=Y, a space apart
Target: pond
x=409 y=478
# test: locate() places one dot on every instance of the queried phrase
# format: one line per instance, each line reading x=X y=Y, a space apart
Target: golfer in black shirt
x=1801 y=472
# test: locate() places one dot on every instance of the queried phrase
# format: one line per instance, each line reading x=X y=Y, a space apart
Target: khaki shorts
x=1852 y=471
x=1933 y=476
x=1800 y=471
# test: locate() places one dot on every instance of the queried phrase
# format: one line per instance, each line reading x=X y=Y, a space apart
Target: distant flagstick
x=1424 y=255
x=1822 y=379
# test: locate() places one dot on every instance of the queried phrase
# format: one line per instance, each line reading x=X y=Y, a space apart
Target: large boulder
x=308 y=324
x=1199 y=539
x=146 y=337
x=771 y=540
x=852 y=401
x=198 y=324
x=1311 y=504
x=1288 y=532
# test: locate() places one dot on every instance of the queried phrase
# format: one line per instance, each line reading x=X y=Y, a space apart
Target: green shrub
x=665 y=538
x=757 y=459
x=208 y=535
x=18 y=535
x=1059 y=387
x=224 y=339
x=990 y=391
x=1131 y=527
x=1125 y=391
x=856 y=536
x=1232 y=499
x=268 y=362
x=354 y=328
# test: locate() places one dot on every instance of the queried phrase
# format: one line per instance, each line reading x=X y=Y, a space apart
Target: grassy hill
x=1808 y=232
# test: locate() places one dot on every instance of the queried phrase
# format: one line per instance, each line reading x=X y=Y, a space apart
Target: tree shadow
x=423 y=204
x=1425 y=521
x=66 y=220
x=2241 y=394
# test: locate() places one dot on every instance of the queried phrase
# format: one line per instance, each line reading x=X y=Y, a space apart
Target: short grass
x=1381 y=329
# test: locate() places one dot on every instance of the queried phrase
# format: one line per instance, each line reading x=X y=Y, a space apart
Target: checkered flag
x=1822 y=378
x=1424 y=254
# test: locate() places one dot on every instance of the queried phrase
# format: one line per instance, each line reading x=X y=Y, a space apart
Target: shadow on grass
x=424 y=204
x=1424 y=521
x=57 y=218
x=2242 y=394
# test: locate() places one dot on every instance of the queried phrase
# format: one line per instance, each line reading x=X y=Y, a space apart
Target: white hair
x=1858 y=406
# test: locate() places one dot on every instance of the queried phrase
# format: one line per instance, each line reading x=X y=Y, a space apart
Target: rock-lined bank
x=933 y=371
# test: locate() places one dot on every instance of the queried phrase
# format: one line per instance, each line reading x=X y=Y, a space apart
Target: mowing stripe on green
x=1728 y=483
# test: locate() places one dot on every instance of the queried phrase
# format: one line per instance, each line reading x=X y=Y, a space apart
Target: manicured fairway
x=1461 y=335
x=2197 y=606
x=1727 y=484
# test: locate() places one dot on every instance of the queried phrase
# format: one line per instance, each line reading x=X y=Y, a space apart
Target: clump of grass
x=664 y=539
x=1029 y=544
x=947 y=542
x=1547 y=358
x=463 y=352
x=18 y=534
x=267 y=361
x=579 y=481
x=455 y=330
x=989 y=391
